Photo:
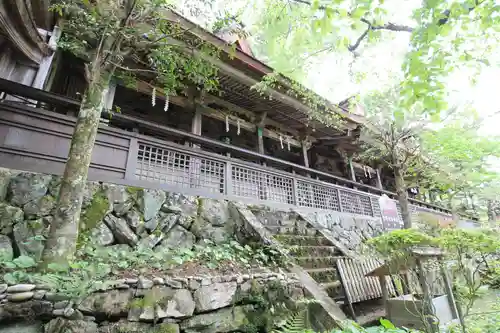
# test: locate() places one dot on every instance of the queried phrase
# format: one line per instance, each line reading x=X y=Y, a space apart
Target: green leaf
x=9 y=264
x=24 y=262
x=358 y=13
x=10 y=278
x=387 y=324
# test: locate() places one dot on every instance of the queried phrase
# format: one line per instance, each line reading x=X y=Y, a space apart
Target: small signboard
x=389 y=212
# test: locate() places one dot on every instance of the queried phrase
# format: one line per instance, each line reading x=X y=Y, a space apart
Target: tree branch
x=388 y=26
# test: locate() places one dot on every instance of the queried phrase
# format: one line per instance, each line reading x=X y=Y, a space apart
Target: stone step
x=323 y=275
x=313 y=251
x=333 y=289
x=317 y=262
x=291 y=230
x=287 y=239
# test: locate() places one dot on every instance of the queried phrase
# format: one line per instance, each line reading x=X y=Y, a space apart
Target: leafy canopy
x=443 y=36
x=134 y=39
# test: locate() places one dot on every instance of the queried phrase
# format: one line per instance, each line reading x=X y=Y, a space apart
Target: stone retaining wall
x=111 y=214
x=159 y=305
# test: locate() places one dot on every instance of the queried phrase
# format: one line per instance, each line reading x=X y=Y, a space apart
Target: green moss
x=167 y=328
x=134 y=191
x=95 y=212
x=199 y=208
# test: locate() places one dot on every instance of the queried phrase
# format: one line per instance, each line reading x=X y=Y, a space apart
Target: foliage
x=93 y=266
x=469 y=252
x=444 y=35
x=463 y=156
x=392 y=137
x=468 y=255
x=135 y=39
x=397 y=244
x=130 y=40
x=249 y=256
x=295 y=323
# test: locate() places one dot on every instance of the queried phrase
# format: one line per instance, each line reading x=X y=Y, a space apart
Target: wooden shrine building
x=239 y=144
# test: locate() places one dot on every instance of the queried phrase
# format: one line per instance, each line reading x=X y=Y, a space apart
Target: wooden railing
x=38 y=140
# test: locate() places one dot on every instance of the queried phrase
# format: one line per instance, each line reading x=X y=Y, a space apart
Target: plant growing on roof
x=128 y=39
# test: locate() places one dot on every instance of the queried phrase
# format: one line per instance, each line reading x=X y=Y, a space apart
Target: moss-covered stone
x=134 y=191
x=199 y=206
x=167 y=328
x=95 y=212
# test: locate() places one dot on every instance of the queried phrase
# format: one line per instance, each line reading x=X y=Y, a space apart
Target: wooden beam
x=247 y=80
x=248 y=60
x=261 y=118
x=146 y=88
x=46 y=63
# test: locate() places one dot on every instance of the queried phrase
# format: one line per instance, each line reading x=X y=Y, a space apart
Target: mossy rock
x=95 y=212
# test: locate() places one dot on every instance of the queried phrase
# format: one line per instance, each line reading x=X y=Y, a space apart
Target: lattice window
x=351 y=202
x=305 y=194
x=166 y=166
x=376 y=206
x=317 y=196
x=257 y=184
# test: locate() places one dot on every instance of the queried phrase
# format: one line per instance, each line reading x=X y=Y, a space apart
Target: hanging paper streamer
x=238 y=125
x=165 y=108
x=288 y=142
x=227 y=123
x=364 y=169
x=153 y=97
x=281 y=141
x=369 y=172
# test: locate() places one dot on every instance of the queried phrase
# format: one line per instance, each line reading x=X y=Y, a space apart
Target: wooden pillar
x=196 y=122
x=379 y=179
x=260 y=124
x=260 y=140
x=305 y=147
x=351 y=168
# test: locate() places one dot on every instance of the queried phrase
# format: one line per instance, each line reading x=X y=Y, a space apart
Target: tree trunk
x=491 y=213
x=61 y=242
x=402 y=197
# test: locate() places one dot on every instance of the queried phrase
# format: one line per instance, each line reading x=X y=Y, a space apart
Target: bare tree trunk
x=61 y=242
x=402 y=197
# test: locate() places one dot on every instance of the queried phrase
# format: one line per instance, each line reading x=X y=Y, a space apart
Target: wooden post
x=196 y=123
x=427 y=311
x=260 y=125
x=379 y=179
x=385 y=294
x=305 y=148
x=351 y=168
x=195 y=163
x=455 y=309
x=260 y=140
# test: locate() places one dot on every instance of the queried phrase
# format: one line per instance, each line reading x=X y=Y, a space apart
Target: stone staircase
x=313 y=252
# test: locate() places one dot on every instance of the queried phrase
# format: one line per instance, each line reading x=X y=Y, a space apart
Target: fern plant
x=297 y=322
